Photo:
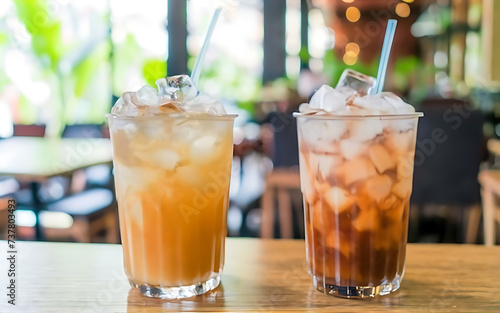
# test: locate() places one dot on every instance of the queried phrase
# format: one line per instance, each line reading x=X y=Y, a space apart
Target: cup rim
x=399 y=116
x=182 y=115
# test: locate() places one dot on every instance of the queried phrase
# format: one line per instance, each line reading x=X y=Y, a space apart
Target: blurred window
x=233 y=63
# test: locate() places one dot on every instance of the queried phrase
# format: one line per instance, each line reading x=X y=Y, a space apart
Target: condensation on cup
x=356 y=170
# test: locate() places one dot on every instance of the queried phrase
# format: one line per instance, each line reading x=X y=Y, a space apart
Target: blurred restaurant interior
x=64 y=63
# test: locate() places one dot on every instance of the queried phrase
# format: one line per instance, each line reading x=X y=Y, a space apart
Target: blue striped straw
x=384 y=57
x=195 y=74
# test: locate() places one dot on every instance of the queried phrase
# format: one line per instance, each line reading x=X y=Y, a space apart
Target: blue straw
x=195 y=74
x=384 y=57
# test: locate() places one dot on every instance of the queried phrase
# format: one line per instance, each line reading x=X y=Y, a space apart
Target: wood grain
x=35 y=159
x=260 y=276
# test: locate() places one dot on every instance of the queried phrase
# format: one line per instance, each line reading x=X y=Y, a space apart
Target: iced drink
x=172 y=159
x=356 y=167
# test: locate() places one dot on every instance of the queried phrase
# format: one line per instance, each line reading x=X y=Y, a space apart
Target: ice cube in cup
x=360 y=82
x=177 y=87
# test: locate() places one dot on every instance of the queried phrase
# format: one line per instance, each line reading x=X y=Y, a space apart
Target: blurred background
x=64 y=63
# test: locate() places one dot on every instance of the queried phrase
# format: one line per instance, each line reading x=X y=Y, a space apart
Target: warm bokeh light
x=408 y=1
x=350 y=58
x=403 y=10
x=353 y=47
x=352 y=14
x=348 y=1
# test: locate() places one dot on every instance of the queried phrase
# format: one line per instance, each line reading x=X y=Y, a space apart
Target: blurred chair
x=93 y=211
x=49 y=190
x=4 y=205
x=94 y=176
x=83 y=131
x=447 y=159
x=29 y=130
x=90 y=207
x=280 y=183
x=490 y=191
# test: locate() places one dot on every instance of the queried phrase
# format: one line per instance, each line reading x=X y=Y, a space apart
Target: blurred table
x=34 y=159
x=260 y=275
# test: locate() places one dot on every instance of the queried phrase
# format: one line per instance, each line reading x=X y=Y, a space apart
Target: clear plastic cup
x=172 y=184
x=356 y=178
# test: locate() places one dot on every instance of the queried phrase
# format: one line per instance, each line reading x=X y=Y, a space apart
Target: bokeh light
x=350 y=58
x=403 y=10
x=353 y=47
x=348 y=1
x=352 y=14
x=408 y=1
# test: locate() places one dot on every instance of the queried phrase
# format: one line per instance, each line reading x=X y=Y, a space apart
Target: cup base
x=357 y=292
x=178 y=292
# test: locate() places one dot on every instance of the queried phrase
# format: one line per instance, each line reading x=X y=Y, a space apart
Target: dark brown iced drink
x=356 y=167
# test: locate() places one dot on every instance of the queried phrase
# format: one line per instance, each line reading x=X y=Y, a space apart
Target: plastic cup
x=356 y=180
x=172 y=184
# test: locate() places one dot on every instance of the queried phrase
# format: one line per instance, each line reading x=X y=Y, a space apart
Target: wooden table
x=33 y=159
x=260 y=275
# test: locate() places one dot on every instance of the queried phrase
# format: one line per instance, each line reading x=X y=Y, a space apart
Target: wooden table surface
x=260 y=276
x=35 y=159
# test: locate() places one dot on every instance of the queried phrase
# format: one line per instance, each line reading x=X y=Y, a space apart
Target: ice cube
x=393 y=208
x=328 y=99
x=178 y=87
x=130 y=129
x=127 y=105
x=323 y=164
x=355 y=80
x=400 y=142
x=187 y=130
x=405 y=166
x=397 y=103
x=203 y=104
x=159 y=158
x=322 y=134
x=135 y=178
x=376 y=104
x=305 y=177
x=401 y=125
x=189 y=175
x=335 y=240
x=367 y=220
x=133 y=206
x=338 y=199
x=352 y=148
x=377 y=188
x=381 y=158
x=365 y=203
x=366 y=130
x=356 y=170
x=147 y=95
x=390 y=202
x=402 y=188
x=203 y=148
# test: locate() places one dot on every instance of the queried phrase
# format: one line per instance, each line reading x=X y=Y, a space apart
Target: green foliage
x=403 y=69
x=406 y=70
x=226 y=80
x=304 y=54
x=84 y=71
x=333 y=67
x=29 y=115
x=45 y=30
x=154 y=69
x=77 y=92
x=124 y=57
x=4 y=38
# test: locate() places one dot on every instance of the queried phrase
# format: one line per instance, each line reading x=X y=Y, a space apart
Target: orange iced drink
x=356 y=177
x=172 y=171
